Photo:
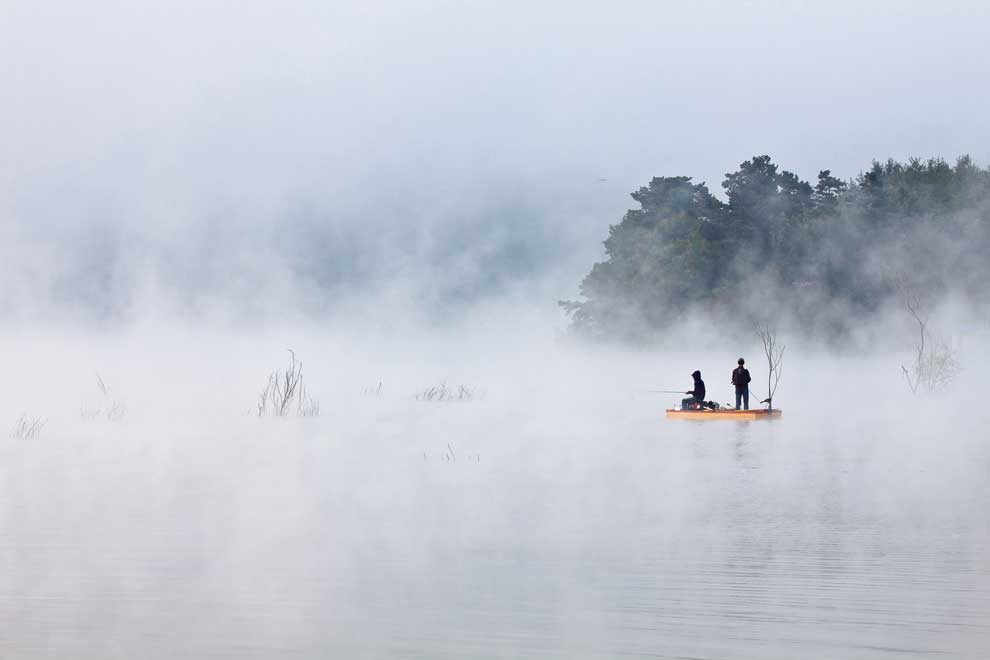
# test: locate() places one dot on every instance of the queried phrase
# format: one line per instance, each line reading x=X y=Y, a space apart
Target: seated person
x=697 y=394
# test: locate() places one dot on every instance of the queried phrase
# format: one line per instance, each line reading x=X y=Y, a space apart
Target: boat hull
x=724 y=413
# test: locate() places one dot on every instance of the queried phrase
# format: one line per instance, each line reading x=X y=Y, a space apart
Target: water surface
x=395 y=529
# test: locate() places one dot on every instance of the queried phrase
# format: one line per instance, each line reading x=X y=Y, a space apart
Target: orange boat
x=724 y=413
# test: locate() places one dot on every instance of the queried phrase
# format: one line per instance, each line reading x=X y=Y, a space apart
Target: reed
x=27 y=427
x=441 y=392
x=107 y=406
x=285 y=393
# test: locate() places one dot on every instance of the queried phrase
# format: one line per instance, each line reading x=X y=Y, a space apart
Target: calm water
x=484 y=531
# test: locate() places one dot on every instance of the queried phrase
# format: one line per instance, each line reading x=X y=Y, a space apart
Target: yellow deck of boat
x=724 y=413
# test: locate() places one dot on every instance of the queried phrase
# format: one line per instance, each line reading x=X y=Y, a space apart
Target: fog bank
x=296 y=155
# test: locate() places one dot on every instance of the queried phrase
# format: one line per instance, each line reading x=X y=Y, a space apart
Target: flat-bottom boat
x=724 y=413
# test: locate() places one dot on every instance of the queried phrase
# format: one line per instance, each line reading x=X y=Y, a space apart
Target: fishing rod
x=665 y=391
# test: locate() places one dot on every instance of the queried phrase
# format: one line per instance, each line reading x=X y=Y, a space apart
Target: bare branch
x=935 y=363
x=284 y=388
x=775 y=357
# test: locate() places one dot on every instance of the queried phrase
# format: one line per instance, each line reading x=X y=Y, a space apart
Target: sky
x=314 y=151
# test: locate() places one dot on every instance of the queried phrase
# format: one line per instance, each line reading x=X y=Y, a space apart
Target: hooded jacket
x=699 y=386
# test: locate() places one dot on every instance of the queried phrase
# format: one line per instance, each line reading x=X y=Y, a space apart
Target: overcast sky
x=443 y=135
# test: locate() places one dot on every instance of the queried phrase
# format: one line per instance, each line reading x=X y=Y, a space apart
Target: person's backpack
x=741 y=377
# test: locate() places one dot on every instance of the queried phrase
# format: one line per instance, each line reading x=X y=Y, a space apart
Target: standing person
x=740 y=378
x=697 y=394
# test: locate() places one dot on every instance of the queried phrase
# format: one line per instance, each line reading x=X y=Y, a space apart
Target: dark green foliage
x=675 y=238
x=829 y=254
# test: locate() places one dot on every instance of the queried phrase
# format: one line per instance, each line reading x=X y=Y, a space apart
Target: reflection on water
x=448 y=534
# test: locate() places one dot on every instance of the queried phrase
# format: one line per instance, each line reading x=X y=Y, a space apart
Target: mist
x=555 y=512
x=388 y=202
x=298 y=155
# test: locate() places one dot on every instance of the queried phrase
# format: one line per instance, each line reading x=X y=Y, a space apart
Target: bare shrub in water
x=442 y=393
x=307 y=406
x=108 y=407
x=372 y=391
x=935 y=363
x=285 y=393
x=27 y=427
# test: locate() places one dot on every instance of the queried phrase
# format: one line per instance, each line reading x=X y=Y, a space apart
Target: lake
x=497 y=529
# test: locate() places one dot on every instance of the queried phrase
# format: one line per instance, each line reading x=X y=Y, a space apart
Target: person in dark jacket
x=697 y=394
x=740 y=378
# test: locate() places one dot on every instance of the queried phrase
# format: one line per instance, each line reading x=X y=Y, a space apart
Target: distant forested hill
x=827 y=254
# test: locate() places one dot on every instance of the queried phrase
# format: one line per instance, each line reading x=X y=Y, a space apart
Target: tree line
x=828 y=254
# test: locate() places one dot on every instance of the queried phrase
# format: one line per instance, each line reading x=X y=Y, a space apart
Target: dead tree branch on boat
x=775 y=359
